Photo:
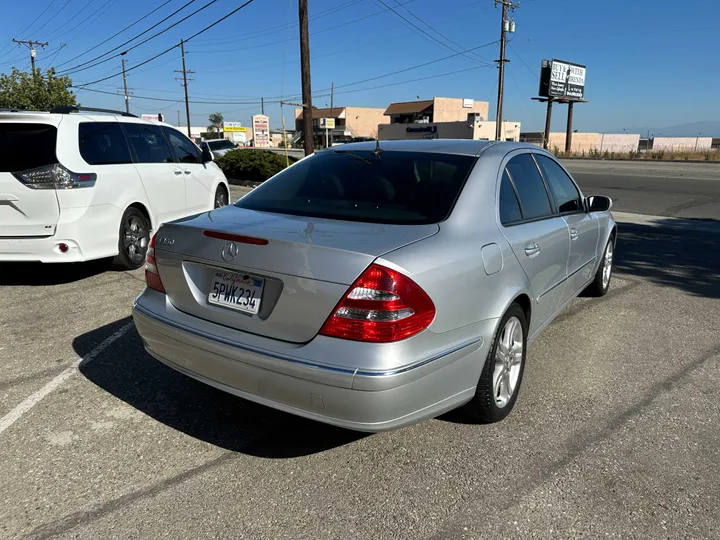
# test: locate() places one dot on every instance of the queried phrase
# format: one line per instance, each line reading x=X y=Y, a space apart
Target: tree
x=216 y=122
x=33 y=92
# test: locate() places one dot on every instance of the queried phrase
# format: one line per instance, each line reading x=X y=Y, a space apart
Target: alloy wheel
x=508 y=362
x=607 y=265
x=135 y=238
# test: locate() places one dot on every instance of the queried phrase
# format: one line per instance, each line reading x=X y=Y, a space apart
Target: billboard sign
x=157 y=117
x=561 y=79
x=327 y=123
x=233 y=127
x=261 y=131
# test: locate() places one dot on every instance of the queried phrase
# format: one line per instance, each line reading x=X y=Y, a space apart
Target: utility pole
x=262 y=106
x=309 y=142
x=185 y=85
x=332 y=108
x=506 y=26
x=31 y=45
x=127 y=98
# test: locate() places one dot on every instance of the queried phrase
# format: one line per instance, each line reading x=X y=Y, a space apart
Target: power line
x=70 y=18
x=423 y=32
x=208 y=27
x=30 y=25
x=74 y=68
x=105 y=7
x=433 y=28
x=523 y=61
x=58 y=12
x=120 y=32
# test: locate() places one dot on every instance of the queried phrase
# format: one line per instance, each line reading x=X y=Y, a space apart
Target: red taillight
x=236 y=238
x=152 y=276
x=381 y=306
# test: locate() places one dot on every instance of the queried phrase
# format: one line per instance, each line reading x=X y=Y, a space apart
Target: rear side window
x=562 y=187
x=509 y=206
x=149 y=144
x=530 y=187
x=103 y=143
x=393 y=187
x=185 y=151
x=26 y=146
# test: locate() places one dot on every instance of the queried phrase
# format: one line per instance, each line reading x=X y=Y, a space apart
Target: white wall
x=687 y=144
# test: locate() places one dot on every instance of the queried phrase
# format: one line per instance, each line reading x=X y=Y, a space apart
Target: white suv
x=75 y=186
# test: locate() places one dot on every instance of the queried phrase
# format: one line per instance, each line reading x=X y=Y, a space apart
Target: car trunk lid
x=300 y=267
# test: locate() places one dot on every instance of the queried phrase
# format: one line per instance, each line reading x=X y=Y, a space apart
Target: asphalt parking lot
x=615 y=433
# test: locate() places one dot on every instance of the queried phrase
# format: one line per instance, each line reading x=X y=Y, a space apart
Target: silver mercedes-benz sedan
x=374 y=285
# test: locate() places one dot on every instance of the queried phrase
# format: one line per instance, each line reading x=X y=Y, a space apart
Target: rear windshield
x=26 y=146
x=408 y=188
x=221 y=145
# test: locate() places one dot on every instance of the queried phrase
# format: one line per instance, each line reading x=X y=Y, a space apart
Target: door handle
x=573 y=234
x=186 y=171
x=178 y=172
x=532 y=249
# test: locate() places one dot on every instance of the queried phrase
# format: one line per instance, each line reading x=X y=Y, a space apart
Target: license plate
x=236 y=291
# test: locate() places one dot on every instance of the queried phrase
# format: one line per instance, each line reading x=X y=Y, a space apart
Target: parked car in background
x=219 y=147
x=76 y=185
x=371 y=288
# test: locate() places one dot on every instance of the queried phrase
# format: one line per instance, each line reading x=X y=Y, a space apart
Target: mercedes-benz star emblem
x=229 y=251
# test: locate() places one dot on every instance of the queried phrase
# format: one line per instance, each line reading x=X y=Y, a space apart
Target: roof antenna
x=377 y=150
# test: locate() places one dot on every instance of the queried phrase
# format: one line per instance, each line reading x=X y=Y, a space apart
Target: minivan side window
x=185 y=151
x=509 y=206
x=149 y=144
x=566 y=194
x=103 y=143
x=534 y=198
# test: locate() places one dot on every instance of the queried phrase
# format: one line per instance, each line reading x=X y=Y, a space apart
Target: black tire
x=487 y=406
x=133 y=240
x=599 y=287
x=221 y=197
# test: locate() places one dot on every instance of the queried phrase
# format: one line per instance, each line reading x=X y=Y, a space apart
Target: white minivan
x=76 y=185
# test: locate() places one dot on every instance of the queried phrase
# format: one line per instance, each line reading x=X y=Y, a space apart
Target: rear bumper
x=281 y=378
x=90 y=233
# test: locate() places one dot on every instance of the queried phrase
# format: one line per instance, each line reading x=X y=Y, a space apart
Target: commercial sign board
x=233 y=127
x=261 y=131
x=157 y=117
x=561 y=79
x=327 y=123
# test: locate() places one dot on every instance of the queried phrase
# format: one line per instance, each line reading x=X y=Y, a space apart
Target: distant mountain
x=706 y=128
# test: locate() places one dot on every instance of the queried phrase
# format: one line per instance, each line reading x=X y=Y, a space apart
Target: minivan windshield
x=408 y=188
x=26 y=146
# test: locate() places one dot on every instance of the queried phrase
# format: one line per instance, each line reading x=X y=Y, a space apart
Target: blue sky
x=650 y=62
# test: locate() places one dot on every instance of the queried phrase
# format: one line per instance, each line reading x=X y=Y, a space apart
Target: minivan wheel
x=221 y=197
x=133 y=241
x=499 y=383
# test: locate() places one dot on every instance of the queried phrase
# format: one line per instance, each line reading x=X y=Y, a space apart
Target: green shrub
x=251 y=165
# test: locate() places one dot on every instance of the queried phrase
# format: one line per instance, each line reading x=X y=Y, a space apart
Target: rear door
x=539 y=238
x=27 y=208
x=583 y=226
x=198 y=180
x=163 y=179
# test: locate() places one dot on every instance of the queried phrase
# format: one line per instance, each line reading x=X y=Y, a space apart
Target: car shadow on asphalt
x=126 y=371
x=680 y=253
x=32 y=274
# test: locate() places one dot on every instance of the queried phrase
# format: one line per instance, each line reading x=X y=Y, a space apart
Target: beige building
x=478 y=130
x=349 y=122
x=438 y=109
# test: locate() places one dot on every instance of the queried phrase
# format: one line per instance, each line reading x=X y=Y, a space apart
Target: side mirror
x=206 y=155
x=599 y=203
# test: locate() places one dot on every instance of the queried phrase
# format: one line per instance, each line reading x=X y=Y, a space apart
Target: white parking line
x=26 y=405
